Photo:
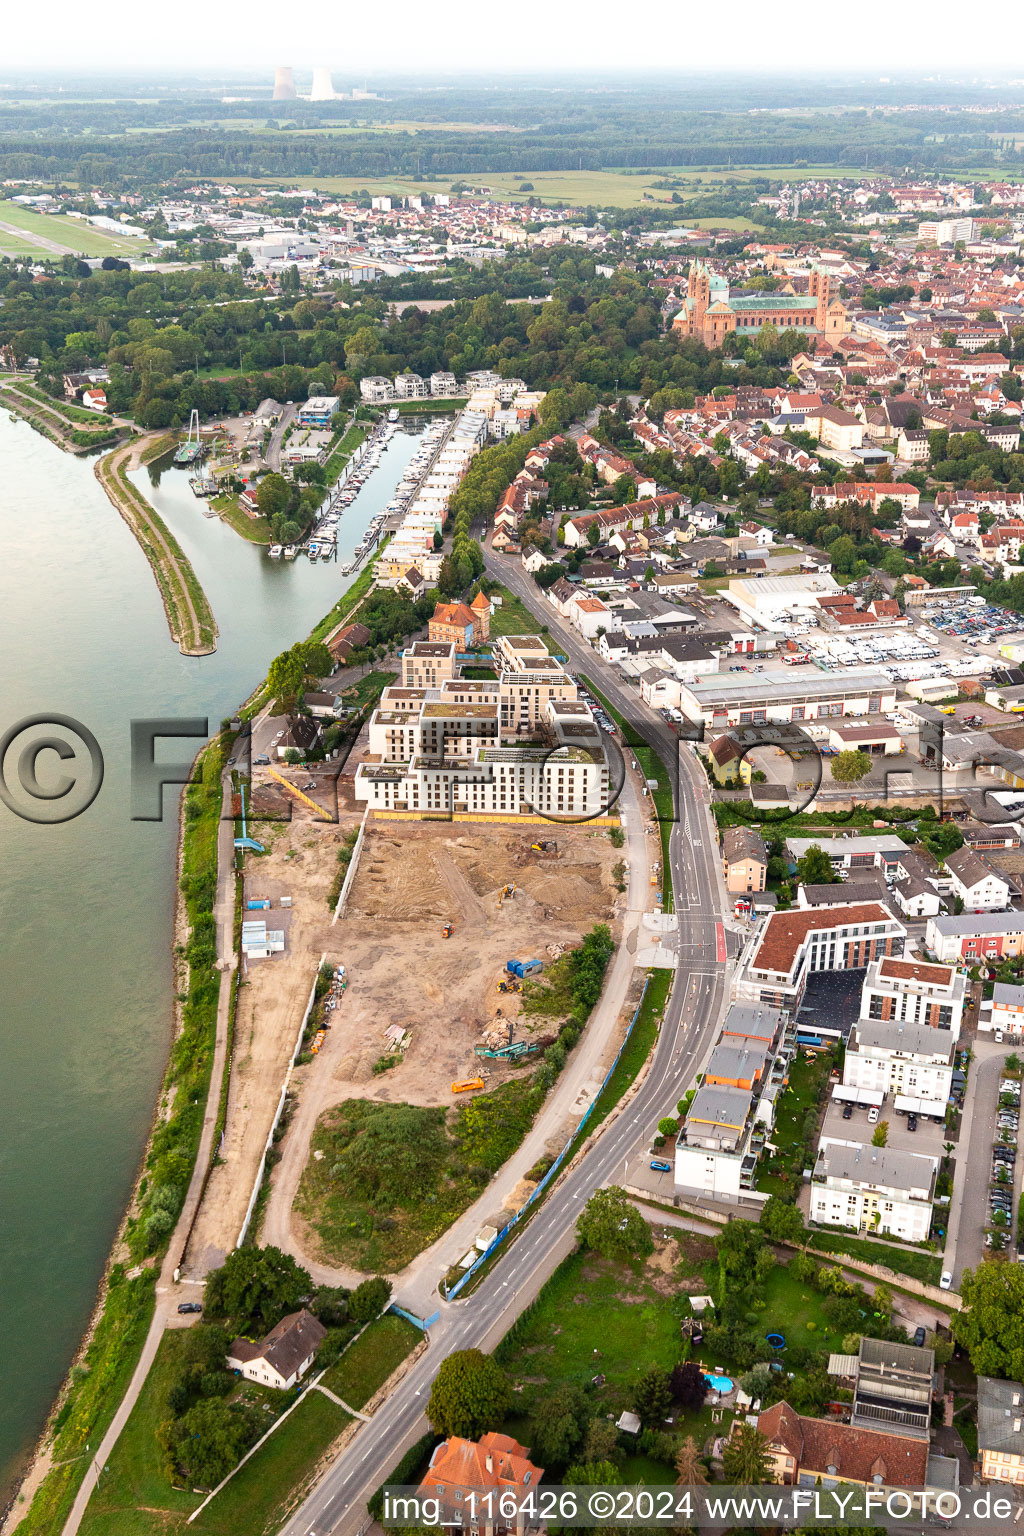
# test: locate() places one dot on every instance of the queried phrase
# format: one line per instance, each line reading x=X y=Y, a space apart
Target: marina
x=322 y=543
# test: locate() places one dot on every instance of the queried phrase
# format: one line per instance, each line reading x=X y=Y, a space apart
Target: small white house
x=284 y=1356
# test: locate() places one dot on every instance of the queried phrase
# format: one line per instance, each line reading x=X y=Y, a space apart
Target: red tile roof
x=910 y=970
x=785 y=932
x=493 y=1461
x=856 y=1455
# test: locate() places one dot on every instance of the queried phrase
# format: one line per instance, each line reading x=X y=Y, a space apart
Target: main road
x=336 y=1506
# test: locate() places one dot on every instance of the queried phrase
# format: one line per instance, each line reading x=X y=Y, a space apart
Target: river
x=86 y=907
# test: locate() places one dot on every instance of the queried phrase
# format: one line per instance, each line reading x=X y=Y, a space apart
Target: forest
x=505 y=129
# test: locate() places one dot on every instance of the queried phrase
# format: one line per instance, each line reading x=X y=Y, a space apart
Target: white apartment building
x=910 y=991
x=564 y=781
x=376 y=390
x=873 y=1189
x=911 y=1061
x=732 y=1112
x=788 y=946
x=980 y=887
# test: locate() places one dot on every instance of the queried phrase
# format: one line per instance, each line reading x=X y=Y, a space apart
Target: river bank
x=105 y=880
x=82 y=432
x=188 y=612
x=123 y=1316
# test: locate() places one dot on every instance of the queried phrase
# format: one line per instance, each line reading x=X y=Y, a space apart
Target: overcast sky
x=880 y=36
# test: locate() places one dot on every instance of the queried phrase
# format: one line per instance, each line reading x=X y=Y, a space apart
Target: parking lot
x=858 y=1128
x=976 y=1184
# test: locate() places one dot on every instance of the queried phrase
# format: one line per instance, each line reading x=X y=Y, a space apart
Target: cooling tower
x=284 y=85
x=323 y=89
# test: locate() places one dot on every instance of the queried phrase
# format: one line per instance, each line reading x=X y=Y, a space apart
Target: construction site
x=434 y=915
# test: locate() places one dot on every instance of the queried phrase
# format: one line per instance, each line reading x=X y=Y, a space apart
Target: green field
x=512 y=617
x=134 y=1498
x=11 y=245
x=73 y=234
x=369 y=1360
x=600 y=189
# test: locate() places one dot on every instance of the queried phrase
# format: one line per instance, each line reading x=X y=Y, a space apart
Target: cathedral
x=709 y=312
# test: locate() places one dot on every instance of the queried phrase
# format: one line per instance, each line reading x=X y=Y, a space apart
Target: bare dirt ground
x=301 y=862
x=412 y=878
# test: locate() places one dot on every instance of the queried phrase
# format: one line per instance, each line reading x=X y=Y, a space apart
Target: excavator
x=447 y=930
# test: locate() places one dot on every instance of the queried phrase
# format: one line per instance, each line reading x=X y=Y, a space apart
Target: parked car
x=911 y=1122
x=872 y=1115
x=919 y=1337
x=263 y=759
x=189 y=1307
x=847 y=1111
x=659 y=1166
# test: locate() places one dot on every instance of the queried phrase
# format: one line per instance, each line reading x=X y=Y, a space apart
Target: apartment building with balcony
x=913 y=992
x=789 y=946
x=873 y=1189
x=731 y=1114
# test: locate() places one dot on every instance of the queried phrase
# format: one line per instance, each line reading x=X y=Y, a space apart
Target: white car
x=872 y=1115
x=998 y=1037
x=946 y=1280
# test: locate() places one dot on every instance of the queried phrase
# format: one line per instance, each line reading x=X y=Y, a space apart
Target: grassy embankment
x=343 y=450
x=96 y=1386
x=42 y=413
x=188 y=612
x=653 y=767
x=135 y=1498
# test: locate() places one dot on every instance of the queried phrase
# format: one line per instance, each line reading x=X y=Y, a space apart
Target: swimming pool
x=721 y=1384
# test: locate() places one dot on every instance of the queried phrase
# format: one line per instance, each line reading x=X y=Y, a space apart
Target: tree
x=745 y=1459
x=688 y=1386
x=850 y=767
x=757 y=1380
x=369 y=1299
x=690 y=1469
x=558 y=1425
x=782 y=1220
x=815 y=868
x=206 y=1442
x=274 y=495
x=667 y=1126
x=592 y=1474
x=652 y=1398
x=880 y=1134
x=470 y=1395
x=612 y=1226
x=990 y=1325
x=255 y=1287
x=303 y=665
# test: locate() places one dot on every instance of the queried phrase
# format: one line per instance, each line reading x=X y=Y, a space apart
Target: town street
x=337 y=1504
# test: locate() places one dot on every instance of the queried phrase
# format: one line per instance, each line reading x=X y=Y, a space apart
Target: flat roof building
x=781 y=695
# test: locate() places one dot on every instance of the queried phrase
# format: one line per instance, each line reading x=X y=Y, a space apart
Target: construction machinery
x=508 y=1052
x=509 y=984
x=507 y=891
x=546 y=847
x=468 y=1085
x=447 y=930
